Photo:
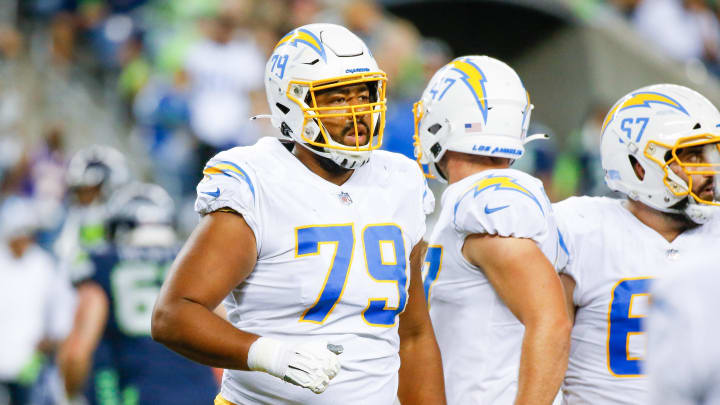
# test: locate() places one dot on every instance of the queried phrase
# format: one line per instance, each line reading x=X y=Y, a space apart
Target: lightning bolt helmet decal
x=474 y=79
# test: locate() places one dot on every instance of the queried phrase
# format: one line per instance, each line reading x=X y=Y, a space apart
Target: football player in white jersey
x=496 y=301
x=658 y=145
x=314 y=246
x=683 y=364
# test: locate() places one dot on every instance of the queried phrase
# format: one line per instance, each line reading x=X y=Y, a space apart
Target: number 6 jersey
x=613 y=259
x=332 y=264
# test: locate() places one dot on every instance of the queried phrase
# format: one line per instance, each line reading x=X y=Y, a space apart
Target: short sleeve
x=228 y=183
x=511 y=212
x=425 y=206
x=568 y=218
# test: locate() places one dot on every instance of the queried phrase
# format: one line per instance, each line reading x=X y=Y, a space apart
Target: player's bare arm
x=218 y=256
x=421 y=377
x=76 y=353
x=569 y=288
x=527 y=283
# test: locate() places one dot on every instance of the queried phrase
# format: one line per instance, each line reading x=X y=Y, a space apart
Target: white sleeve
x=500 y=212
x=228 y=183
x=425 y=203
x=565 y=216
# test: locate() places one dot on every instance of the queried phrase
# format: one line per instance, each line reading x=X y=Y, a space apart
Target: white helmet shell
x=317 y=57
x=97 y=165
x=476 y=105
x=649 y=125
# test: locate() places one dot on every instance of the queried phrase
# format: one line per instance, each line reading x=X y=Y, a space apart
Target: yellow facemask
x=707 y=165
x=417 y=117
x=377 y=82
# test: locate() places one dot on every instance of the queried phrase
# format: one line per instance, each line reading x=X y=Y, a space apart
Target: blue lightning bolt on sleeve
x=504 y=205
x=228 y=183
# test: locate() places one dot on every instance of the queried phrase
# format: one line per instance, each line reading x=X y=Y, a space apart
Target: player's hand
x=309 y=365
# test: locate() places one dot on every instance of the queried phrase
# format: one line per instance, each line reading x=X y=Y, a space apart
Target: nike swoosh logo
x=214 y=194
x=496 y=209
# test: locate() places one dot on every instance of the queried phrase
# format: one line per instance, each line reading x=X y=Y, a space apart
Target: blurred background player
x=314 y=245
x=683 y=364
x=92 y=175
x=495 y=299
x=36 y=303
x=659 y=147
x=110 y=352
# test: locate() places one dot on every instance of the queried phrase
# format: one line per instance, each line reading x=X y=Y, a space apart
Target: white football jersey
x=683 y=328
x=333 y=264
x=613 y=259
x=479 y=337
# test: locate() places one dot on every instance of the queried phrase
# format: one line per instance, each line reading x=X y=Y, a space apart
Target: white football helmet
x=476 y=105
x=141 y=214
x=97 y=165
x=650 y=125
x=319 y=57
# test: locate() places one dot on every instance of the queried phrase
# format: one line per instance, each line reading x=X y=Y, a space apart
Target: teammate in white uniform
x=309 y=242
x=657 y=143
x=495 y=298
x=683 y=365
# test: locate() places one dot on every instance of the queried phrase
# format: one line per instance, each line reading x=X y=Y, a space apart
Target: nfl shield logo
x=345 y=198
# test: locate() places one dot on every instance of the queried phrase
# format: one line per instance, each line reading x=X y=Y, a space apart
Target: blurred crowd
x=164 y=85
x=168 y=83
x=684 y=30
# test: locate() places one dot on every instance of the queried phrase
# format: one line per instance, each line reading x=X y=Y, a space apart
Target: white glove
x=310 y=365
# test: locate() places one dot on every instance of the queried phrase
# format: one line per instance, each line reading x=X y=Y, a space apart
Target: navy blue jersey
x=129 y=367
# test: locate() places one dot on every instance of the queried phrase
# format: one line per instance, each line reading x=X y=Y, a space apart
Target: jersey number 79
x=342 y=236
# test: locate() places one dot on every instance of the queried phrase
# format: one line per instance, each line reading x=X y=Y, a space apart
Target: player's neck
x=458 y=166
x=669 y=226
x=329 y=171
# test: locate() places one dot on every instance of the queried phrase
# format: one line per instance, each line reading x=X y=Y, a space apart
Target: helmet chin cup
x=700 y=213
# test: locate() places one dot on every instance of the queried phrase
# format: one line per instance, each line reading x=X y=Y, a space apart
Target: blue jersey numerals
x=622 y=324
x=308 y=243
x=342 y=237
x=377 y=312
x=433 y=259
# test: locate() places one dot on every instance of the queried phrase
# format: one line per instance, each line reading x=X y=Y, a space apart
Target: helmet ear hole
x=637 y=167
x=434 y=128
x=697 y=126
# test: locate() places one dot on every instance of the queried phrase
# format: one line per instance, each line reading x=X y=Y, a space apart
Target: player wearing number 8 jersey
x=309 y=241
x=660 y=148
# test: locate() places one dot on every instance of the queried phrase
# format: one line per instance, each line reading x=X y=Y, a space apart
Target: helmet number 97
x=278 y=65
